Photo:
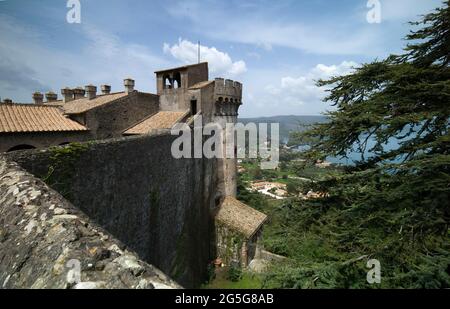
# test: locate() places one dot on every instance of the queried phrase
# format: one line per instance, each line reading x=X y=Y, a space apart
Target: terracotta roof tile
x=239 y=217
x=201 y=85
x=160 y=120
x=82 y=105
x=35 y=118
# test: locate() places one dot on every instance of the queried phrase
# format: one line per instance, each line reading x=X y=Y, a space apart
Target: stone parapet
x=45 y=242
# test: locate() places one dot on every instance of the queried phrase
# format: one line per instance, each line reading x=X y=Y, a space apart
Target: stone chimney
x=38 y=98
x=129 y=85
x=7 y=101
x=67 y=94
x=51 y=96
x=106 y=89
x=91 y=91
x=78 y=93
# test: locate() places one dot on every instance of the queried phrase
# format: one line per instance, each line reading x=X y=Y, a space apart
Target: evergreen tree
x=393 y=204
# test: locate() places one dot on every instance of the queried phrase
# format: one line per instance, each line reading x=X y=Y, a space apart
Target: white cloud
x=296 y=94
x=219 y=62
x=344 y=34
x=324 y=71
x=304 y=87
x=264 y=28
x=28 y=65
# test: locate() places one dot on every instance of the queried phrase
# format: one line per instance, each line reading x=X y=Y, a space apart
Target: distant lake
x=355 y=155
x=290 y=124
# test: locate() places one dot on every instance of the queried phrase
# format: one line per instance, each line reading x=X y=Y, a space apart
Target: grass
x=248 y=281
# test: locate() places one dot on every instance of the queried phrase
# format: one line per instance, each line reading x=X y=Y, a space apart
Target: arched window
x=176 y=80
x=167 y=83
x=21 y=147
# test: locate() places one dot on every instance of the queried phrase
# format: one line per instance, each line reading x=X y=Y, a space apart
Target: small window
x=193 y=107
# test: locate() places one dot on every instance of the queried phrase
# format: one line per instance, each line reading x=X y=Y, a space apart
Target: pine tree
x=394 y=203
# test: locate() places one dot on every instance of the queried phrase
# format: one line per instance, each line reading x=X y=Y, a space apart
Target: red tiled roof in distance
x=35 y=118
x=84 y=104
x=160 y=120
x=239 y=217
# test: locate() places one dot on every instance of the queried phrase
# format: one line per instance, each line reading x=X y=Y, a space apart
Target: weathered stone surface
x=135 y=189
x=42 y=237
x=258 y=265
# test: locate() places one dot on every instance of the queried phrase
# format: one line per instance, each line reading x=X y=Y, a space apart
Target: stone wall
x=157 y=205
x=40 y=139
x=174 y=99
x=110 y=120
x=46 y=242
x=197 y=73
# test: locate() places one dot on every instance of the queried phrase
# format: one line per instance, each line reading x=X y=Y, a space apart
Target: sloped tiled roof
x=239 y=217
x=160 y=120
x=35 y=118
x=84 y=104
x=201 y=85
x=184 y=67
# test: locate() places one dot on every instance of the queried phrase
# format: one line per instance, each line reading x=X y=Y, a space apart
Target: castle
x=112 y=181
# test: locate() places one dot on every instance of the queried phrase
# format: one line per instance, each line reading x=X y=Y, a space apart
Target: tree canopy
x=393 y=203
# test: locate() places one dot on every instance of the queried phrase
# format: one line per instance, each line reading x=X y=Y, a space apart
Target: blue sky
x=276 y=48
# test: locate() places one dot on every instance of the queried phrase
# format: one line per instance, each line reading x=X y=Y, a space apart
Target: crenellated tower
x=227 y=100
x=187 y=88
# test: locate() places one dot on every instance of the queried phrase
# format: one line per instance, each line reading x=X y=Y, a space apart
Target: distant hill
x=287 y=123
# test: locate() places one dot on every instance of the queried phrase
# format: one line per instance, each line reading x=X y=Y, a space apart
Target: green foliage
x=63 y=167
x=392 y=206
x=252 y=199
x=247 y=281
x=292 y=188
x=234 y=273
x=257 y=173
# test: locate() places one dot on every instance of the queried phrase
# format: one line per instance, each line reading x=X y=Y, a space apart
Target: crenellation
x=228 y=90
x=219 y=81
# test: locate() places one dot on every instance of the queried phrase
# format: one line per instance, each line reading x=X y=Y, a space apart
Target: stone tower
x=173 y=85
x=187 y=88
x=227 y=100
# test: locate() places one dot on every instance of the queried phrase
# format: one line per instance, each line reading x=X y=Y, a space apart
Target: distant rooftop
x=35 y=118
x=84 y=104
x=239 y=217
x=160 y=120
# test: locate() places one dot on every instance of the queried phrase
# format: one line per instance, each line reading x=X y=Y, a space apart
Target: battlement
x=227 y=90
